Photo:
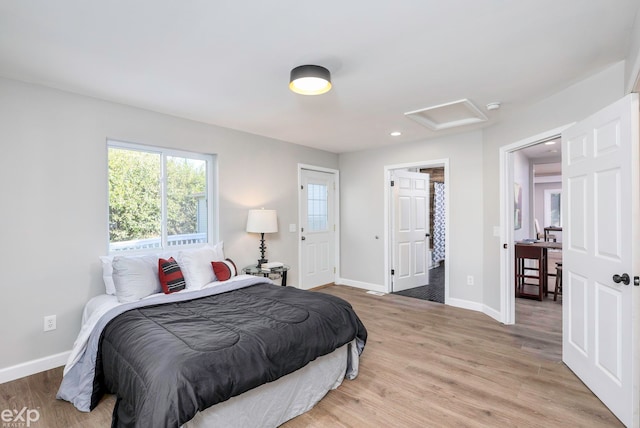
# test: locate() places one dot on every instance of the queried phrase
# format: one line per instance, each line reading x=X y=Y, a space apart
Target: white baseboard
x=458 y=303
x=28 y=368
x=496 y=315
x=475 y=306
x=465 y=304
x=360 y=284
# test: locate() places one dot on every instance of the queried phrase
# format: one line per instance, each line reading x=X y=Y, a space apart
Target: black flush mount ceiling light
x=310 y=80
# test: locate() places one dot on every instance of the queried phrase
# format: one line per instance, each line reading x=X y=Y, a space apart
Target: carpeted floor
x=433 y=292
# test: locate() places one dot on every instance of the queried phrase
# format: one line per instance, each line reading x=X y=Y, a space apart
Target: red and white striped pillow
x=224 y=269
x=170 y=274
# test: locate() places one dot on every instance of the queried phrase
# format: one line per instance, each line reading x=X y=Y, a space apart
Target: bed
x=238 y=352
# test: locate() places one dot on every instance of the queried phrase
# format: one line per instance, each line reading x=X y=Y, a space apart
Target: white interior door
x=410 y=230
x=317 y=228
x=600 y=212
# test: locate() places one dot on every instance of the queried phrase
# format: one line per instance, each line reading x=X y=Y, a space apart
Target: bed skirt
x=274 y=403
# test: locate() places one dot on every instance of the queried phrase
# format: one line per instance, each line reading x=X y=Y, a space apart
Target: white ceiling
x=548 y=151
x=227 y=62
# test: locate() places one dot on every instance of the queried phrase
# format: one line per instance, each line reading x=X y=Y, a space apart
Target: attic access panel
x=449 y=115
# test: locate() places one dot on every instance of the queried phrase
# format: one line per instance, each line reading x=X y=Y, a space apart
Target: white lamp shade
x=262 y=221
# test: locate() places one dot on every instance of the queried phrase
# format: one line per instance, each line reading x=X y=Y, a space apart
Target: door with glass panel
x=317 y=228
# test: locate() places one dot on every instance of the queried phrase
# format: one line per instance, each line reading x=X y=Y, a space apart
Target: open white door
x=601 y=212
x=410 y=230
x=317 y=228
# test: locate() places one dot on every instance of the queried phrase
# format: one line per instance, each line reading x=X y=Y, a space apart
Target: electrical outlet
x=49 y=323
x=469 y=279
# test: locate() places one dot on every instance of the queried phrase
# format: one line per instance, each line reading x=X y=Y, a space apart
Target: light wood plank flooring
x=425 y=365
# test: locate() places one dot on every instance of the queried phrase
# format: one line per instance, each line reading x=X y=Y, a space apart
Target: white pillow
x=135 y=277
x=107 y=268
x=107 y=274
x=196 y=264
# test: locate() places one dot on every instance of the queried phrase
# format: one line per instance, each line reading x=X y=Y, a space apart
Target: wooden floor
x=425 y=365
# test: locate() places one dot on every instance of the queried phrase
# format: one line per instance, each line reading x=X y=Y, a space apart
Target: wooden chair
x=525 y=275
x=558 y=288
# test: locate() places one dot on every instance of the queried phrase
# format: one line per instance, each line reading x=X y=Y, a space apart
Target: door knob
x=303 y=238
x=624 y=278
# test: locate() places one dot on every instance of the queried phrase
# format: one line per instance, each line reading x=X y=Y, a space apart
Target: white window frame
x=211 y=193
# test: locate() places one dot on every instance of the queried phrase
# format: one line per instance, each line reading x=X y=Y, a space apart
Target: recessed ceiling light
x=396 y=134
x=550 y=143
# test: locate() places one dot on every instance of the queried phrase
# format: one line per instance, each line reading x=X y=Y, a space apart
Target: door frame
x=336 y=217
x=388 y=224
x=507 y=255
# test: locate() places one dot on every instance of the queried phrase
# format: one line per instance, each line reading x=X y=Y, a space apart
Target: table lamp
x=262 y=221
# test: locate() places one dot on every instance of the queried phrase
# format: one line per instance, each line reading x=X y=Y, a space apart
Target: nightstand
x=281 y=270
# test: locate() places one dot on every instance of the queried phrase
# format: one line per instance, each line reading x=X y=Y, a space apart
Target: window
x=317 y=214
x=552 y=205
x=158 y=198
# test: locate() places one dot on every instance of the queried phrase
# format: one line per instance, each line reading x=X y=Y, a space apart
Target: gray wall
x=632 y=64
x=565 y=107
x=54 y=202
x=362 y=183
x=474 y=188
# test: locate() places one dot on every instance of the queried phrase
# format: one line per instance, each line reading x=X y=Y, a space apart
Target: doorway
x=509 y=216
x=537 y=171
x=401 y=255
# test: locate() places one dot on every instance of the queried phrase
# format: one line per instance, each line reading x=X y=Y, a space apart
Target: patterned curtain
x=438 y=223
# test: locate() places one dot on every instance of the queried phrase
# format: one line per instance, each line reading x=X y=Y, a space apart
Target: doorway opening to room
x=537 y=241
x=518 y=215
x=416 y=229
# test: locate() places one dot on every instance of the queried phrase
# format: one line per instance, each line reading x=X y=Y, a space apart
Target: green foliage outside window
x=186 y=183
x=135 y=197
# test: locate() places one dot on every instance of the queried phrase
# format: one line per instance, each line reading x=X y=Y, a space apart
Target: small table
x=255 y=270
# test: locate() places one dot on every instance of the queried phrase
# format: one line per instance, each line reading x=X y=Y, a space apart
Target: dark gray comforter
x=166 y=362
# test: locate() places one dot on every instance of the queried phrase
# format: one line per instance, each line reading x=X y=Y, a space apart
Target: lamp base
x=263 y=247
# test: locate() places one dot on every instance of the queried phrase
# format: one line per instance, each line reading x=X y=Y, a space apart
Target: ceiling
x=227 y=62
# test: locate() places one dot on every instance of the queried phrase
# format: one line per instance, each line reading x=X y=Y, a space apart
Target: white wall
x=54 y=202
x=362 y=209
x=565 y=107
